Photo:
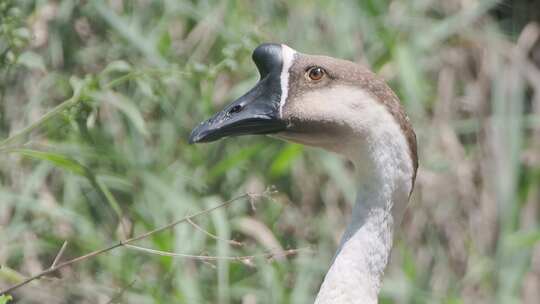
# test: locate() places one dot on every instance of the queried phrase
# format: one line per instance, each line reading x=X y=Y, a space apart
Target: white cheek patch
x=288 y=56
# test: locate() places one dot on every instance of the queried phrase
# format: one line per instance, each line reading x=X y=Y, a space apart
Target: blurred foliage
x=103 y=95
x=5 y=299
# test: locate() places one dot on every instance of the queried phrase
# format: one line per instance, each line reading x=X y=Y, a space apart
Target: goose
x=344 y=108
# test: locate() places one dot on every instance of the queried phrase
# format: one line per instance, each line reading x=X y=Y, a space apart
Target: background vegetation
x=138 y=75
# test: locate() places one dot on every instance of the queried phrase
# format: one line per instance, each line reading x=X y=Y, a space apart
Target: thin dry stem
x=59 y=254
x=123 y=243
x=213 y=236
x=267 y=255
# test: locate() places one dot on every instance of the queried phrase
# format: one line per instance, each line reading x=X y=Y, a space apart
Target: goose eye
x=316 y=73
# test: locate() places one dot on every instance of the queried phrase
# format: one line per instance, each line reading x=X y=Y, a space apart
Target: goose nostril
x=235 y=109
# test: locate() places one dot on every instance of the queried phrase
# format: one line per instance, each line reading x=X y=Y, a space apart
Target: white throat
x=384 y=177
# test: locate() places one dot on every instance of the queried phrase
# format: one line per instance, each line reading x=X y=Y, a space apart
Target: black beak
x=257 y=111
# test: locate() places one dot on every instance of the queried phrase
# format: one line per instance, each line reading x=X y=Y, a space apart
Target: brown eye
x=316 y=73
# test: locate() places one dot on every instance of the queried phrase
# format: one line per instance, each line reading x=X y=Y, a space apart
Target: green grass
x=99 y=98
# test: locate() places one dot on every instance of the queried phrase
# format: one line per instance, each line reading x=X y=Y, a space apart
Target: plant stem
x=40 y=122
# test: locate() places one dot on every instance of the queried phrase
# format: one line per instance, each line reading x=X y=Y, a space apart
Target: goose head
x=318 y=101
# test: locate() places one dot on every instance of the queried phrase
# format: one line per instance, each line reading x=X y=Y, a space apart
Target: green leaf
x=32 y=61
x=120 y=66
x=283 y=160
x=522 y=240
x=233 y=161
x=408 y=266
x=127 y=107
x=59 y=160
x=454 y=300
x=111 y=200
x=4 y=299
x=164 y=43
x=411 y=79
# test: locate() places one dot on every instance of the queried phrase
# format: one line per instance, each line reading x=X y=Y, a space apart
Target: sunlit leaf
x=284 y=159
x=4 y=299
x=233 y=160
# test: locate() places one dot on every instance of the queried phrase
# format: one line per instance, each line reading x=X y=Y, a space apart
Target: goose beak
x=257 y=111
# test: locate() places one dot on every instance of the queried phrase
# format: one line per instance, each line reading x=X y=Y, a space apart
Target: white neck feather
x=384 y=171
